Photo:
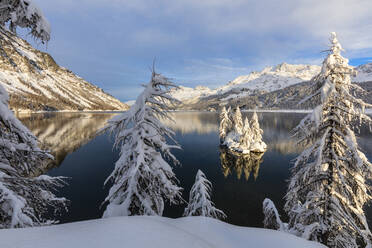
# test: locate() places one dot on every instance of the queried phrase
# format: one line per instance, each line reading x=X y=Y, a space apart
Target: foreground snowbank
x=141 y=231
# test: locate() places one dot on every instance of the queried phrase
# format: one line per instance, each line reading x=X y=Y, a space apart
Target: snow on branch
x=25 y=14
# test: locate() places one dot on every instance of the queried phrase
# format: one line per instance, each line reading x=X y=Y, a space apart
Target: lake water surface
x=240 y=184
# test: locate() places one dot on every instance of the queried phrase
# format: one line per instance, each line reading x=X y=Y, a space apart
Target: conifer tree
x=329 y=187
x=200 y=203
x=329 y=182
x=25 y=200
x=225 y=123
x=238 y=121
x=142 y=178
x=256 y=133
x=247 y=135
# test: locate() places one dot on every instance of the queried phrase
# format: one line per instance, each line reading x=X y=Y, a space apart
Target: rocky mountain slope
x=280 y=87
x=35 y=82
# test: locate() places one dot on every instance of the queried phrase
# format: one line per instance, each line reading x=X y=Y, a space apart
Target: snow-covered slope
x=268 y=80
x=184 y=93
x=35 y=82
x=364 y=73
x=273 y=78
x=146 y=231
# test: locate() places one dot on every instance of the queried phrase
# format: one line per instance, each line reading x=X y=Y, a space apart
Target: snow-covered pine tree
x=24 y=200
x=246 y=137
x=200 y=203
x=329 y=183
x=257 y=144
x=24 y=14
x=238 y=121
x=142 y=178
x=225 y=123
x=255 y=128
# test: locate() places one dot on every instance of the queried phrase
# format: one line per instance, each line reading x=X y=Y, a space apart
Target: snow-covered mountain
x=269 y=80
x=35 y=82
x=364 y=73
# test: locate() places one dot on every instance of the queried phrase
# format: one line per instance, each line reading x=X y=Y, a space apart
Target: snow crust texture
x=150 y=231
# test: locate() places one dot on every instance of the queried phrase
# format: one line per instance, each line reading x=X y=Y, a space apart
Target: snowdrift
x=146 y=231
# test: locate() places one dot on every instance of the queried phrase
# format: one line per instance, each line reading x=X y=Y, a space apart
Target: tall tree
x=200 y=203
x=142 y=178
x=225 y=123
x=256 y=135
x=24 y=200
x=246 y=135
x=329 y=183
x=238 y=121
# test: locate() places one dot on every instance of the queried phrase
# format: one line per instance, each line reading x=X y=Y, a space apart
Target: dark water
x=239 y=184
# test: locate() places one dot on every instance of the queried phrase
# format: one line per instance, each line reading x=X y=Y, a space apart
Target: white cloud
x=222 y=39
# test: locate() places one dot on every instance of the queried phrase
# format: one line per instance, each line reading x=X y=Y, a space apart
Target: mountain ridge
x=278 y=87
x=35 y=82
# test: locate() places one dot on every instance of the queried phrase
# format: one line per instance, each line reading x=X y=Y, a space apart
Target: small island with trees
x=238 y=136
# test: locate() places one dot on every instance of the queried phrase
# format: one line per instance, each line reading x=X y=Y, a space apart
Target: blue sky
x=112 y=43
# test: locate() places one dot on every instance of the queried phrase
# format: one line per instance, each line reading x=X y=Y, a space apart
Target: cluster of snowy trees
x=143 y=179
x=25 y=200
x=240 y=136
x=329 y=185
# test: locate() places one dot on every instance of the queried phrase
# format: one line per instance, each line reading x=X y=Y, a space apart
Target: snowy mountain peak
x=269 y=79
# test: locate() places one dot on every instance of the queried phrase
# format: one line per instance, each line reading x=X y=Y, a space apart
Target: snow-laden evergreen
x=142 y=178
x=238 y=121
x=257 y=145
x=240 y=136
x=225 y=123
x=24 y=200
x=200 y=203
x=24 y=14
x=272 y=218
x=246 y=137
x=329 y=183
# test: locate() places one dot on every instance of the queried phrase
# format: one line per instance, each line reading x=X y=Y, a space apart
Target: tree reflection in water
x=238 y=162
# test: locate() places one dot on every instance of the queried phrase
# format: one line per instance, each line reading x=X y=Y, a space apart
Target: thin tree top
x=25 y=14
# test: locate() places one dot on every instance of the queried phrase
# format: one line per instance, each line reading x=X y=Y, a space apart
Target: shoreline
x=302 y=111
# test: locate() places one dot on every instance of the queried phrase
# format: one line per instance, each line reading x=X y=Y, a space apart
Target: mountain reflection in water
x=64 y=133
x=87 y=160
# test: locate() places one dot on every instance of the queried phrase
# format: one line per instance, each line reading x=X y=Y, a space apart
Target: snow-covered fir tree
x=329 y=182
x=142 y=178
x=225 y=123
x=246 y=137
x=256 y=134
x=200 y=203
x=24 y=14
x=238 y=121
x=24 y=200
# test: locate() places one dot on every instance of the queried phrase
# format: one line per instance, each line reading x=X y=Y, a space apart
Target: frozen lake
x=240 y=184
